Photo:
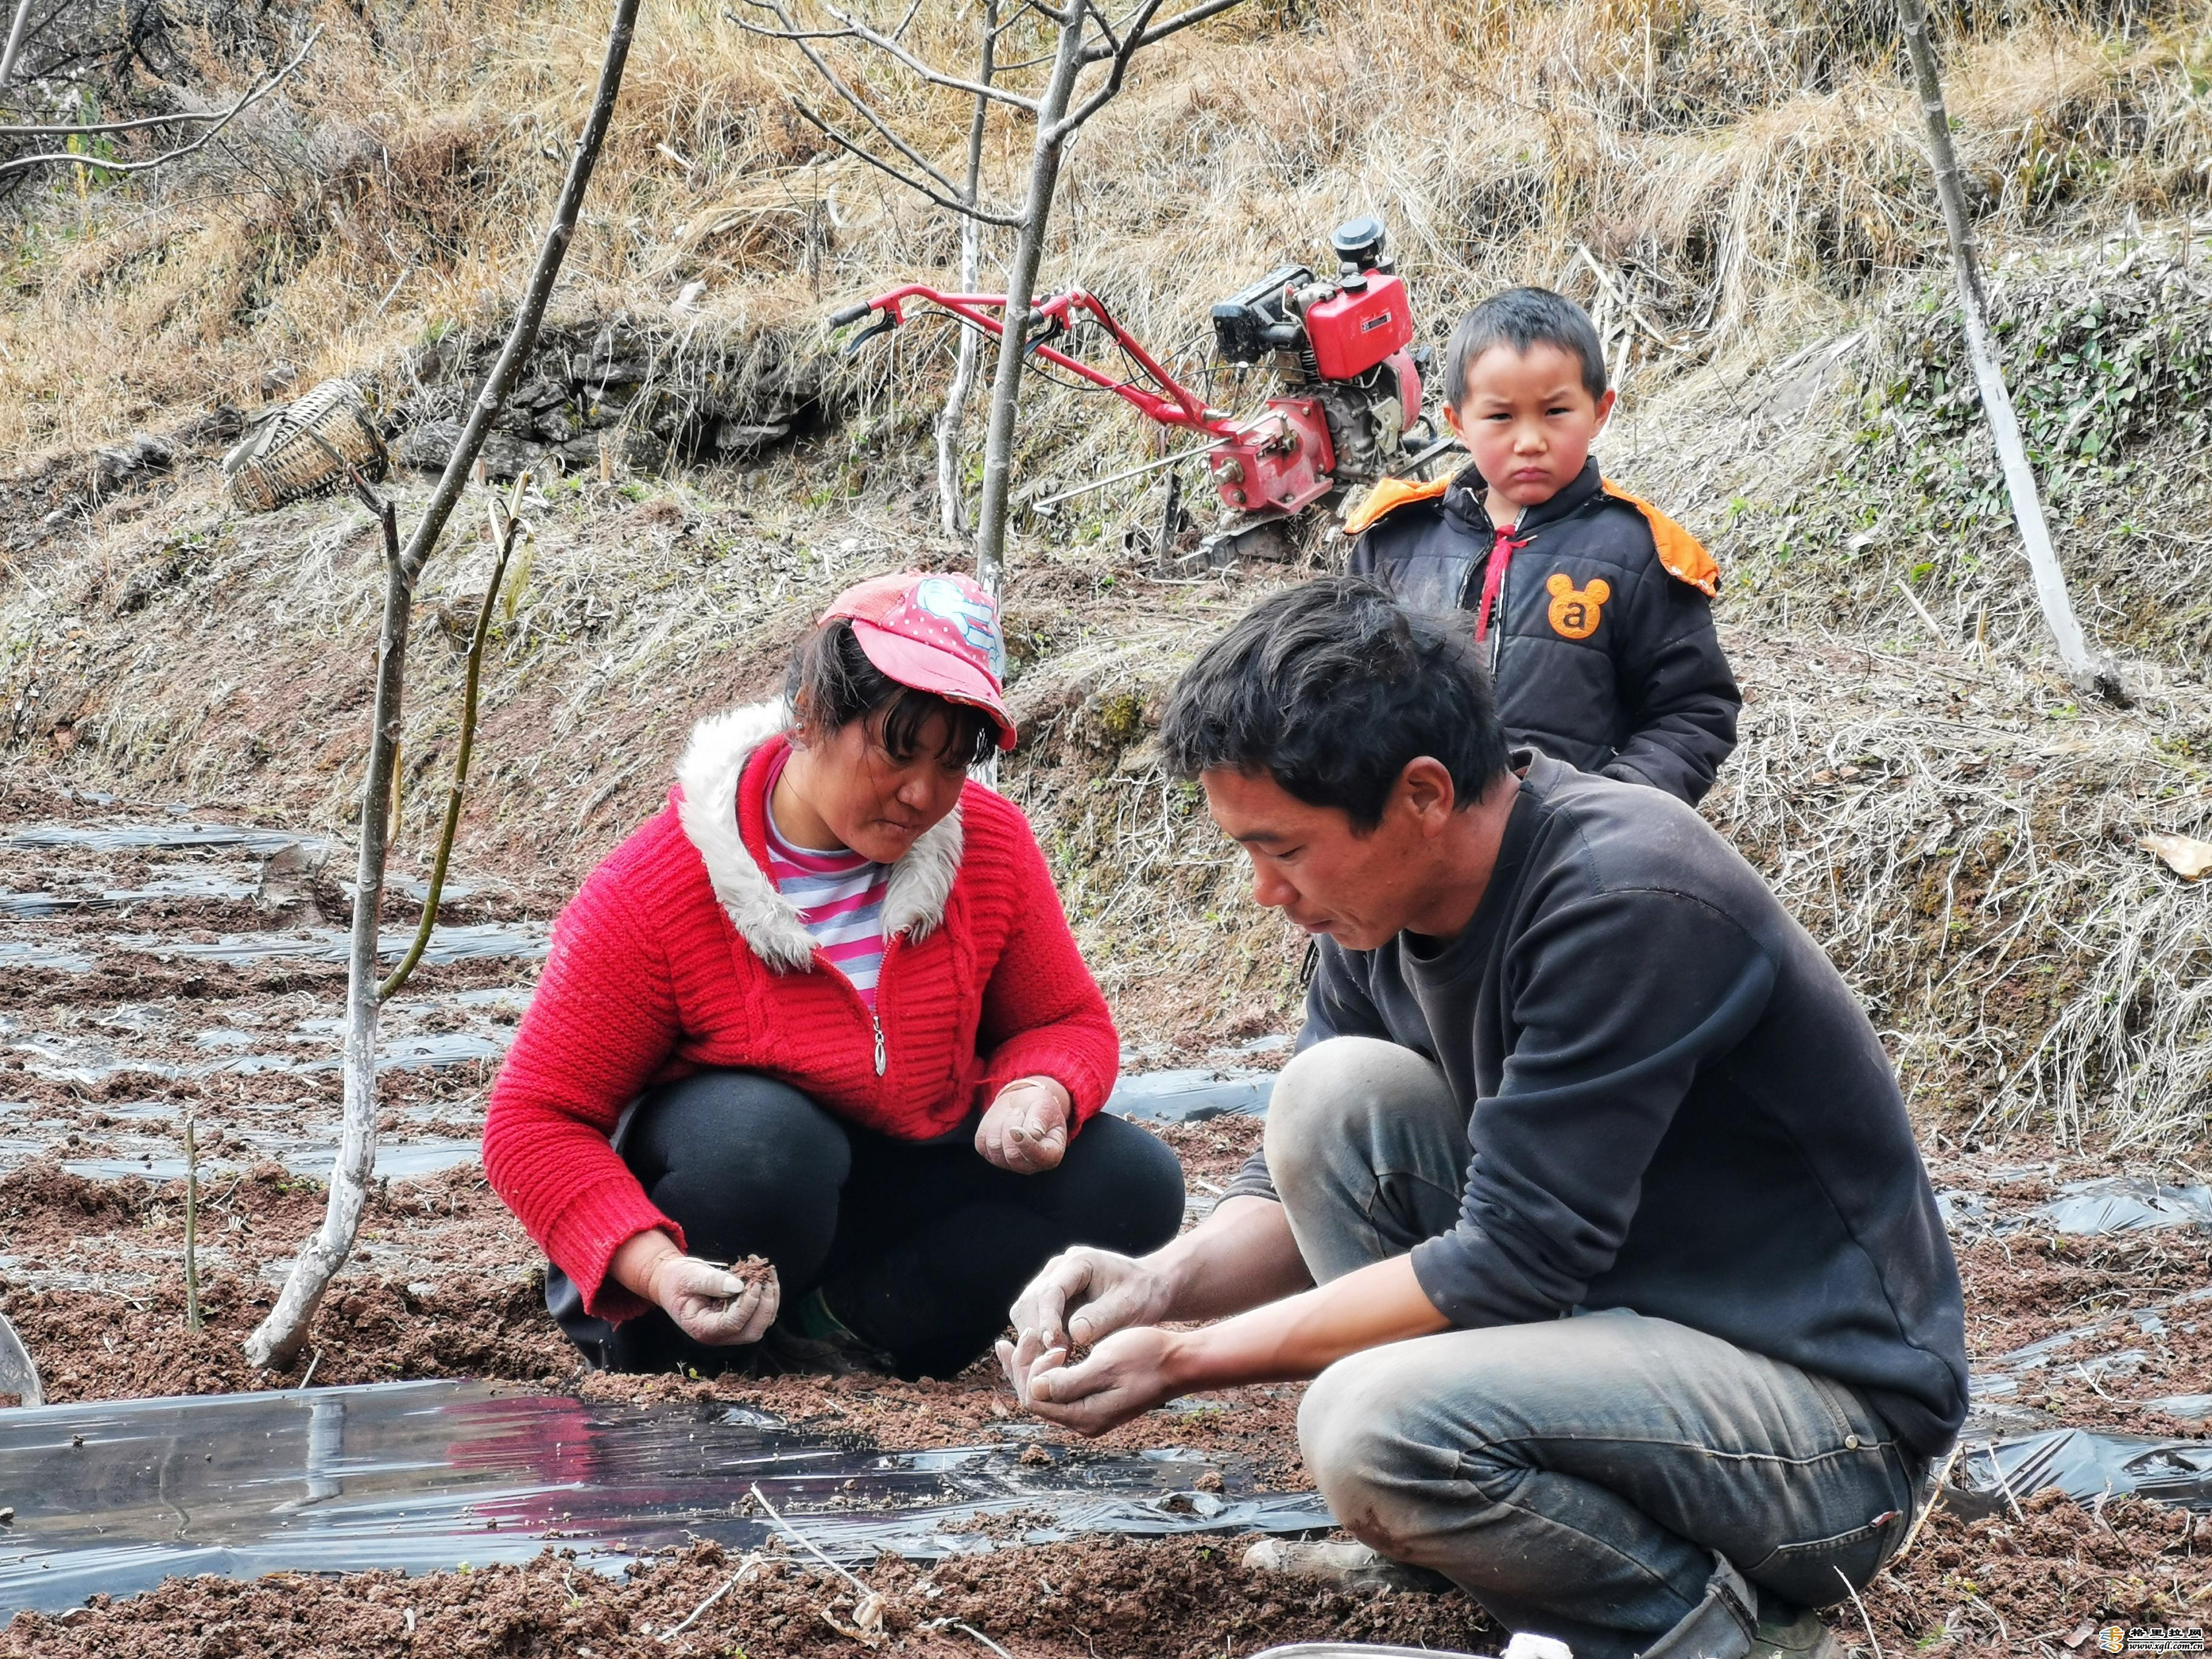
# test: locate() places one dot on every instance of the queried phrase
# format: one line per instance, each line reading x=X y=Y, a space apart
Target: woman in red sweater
x=825 y=1009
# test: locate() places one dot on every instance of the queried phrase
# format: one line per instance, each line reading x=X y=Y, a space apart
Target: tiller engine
x=1341 y=350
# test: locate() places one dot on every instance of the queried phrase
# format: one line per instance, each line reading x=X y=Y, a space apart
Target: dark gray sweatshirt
x=1674 y=1105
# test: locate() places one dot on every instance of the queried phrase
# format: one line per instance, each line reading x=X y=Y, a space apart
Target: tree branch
x=859 y=105
x=936 y=77
x=951 y=500
x=1181 y=21
x=1099 y=99
x=1112 y=46
x=276 y=1340
x=14 y=40
x=788 y=34
x=1011 y=18
x=522 y=338
x=953 y=203
x=21 y=163
x=88 y=129
x=506 y=528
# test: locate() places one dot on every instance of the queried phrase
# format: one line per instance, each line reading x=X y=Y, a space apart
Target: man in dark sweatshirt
x=1592 y=609
x=1630 y=1304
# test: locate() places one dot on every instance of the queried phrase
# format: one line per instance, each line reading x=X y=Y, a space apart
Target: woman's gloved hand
x=1026 y=1129
x=712 y=1305
x=708 y=1302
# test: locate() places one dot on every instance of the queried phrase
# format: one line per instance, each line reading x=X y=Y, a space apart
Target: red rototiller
x=1341 y=348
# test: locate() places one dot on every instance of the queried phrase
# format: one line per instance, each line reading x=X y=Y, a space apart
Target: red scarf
x=1494 y=578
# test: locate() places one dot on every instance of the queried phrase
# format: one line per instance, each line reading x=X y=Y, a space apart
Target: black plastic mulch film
x=115 y=1497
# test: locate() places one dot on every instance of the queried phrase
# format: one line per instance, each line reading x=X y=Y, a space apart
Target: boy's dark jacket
x=1626 y=678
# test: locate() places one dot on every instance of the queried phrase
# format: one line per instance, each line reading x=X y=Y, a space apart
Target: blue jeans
x=1611 y=1480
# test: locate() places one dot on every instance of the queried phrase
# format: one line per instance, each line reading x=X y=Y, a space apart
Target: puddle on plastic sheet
x=527 y=940
x=423 y=1476
x=143 y=837
x=24 y=907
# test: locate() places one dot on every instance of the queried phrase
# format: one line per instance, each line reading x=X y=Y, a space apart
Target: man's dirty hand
x=1126 y=1374
x=1081 y=1296
x=713 y=1305
x=1025 y=1128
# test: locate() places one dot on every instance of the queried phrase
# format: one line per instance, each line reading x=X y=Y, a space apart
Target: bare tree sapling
x=2087 y=670
x=1083 y=38
x=276 y=1342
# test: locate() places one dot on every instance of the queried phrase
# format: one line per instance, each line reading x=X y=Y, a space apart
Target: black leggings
x=919 y=1247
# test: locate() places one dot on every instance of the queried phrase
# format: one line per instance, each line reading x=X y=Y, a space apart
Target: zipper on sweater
x=875 y=1019
x=875 y=1009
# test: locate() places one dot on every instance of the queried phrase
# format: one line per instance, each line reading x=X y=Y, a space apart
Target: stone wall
x=645 y=399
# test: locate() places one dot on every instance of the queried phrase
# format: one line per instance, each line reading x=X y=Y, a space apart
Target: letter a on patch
x=1575 y=612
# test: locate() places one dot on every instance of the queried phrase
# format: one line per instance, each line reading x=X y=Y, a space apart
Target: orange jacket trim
x=1387 y=496
x=1682 y=555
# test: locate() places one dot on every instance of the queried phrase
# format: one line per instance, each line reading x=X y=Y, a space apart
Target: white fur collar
x=920 y=883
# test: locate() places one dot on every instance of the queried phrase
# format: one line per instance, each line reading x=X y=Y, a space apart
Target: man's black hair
x=1521 y=317
x=831 y=684
x=1331 y=689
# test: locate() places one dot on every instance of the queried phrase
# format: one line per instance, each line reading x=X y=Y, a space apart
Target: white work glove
x=1025 y=1128
x=712 y=1305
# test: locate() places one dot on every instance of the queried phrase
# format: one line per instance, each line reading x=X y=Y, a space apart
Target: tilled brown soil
x=2024 y=1584
x=2029 y=1583
x=445 y=1284
x=1178 y=1599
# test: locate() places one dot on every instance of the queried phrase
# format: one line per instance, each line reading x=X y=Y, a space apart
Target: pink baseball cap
x=936 y=633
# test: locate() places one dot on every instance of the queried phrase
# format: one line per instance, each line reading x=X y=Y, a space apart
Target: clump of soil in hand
x=753 y=1270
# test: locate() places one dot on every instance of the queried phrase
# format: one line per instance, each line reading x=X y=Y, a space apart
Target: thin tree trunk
x=2086 y=670
x=276 y=1342
x=1021 y=289
x=952 y=504
x=15 y=42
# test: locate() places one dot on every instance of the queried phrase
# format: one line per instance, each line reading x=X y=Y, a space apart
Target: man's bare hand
x=1081 y=1296
x=1025 y=1128
x=711 y=1305
x=1126 y=1375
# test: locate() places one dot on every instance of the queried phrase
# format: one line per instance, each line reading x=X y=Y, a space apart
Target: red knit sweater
x=678 y=955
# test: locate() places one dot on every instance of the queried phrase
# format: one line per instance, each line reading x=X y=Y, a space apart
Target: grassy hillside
x=1944 y=813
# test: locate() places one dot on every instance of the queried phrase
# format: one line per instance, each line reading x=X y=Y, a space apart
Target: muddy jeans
x=1609 y=1480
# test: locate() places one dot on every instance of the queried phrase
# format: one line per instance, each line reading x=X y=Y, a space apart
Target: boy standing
x=1593 y=609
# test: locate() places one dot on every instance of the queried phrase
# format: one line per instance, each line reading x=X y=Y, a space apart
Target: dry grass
x=1955 y=830
x=1746 y=165
x=1959 y=836
x=1729 y=158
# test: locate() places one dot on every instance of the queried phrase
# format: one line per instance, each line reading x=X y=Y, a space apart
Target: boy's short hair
x=1331 y=688
x=1521 y=317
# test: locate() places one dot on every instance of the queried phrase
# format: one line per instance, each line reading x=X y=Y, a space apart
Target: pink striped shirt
x=840 y=899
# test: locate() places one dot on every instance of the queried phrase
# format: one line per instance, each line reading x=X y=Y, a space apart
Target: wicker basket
x=281 y=459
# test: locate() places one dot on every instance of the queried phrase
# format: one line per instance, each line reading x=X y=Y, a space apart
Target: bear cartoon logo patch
x=1575 y=612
